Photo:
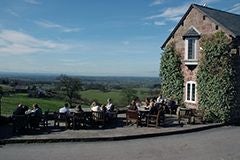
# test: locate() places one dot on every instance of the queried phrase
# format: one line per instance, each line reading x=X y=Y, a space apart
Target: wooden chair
x=61 y=118
x=197 y=115
x=156 y=119
x=19 y=123
x=98 y=118
x=78 y=120
x=184 y=113
x=133 y=117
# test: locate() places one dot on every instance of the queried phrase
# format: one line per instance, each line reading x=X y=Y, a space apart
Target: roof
x=226 y=20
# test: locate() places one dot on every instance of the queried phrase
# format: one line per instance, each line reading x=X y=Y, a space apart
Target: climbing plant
x=216 y=78
x=171 y=74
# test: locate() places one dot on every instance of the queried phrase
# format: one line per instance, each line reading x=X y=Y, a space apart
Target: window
x=191 y=91
x=204 y=17
x=190 y=48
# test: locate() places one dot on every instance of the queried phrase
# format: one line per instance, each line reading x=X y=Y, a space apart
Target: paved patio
x=118 y=132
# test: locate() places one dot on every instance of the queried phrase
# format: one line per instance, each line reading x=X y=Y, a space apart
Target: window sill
x=191 y=62
x=193 y=102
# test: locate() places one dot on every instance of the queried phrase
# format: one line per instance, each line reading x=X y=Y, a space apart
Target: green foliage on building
x=216 y=79
x=171 y=74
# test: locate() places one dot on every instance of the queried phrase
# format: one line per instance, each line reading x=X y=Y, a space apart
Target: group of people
x=152 y=104
x=105 y=108
x=33 y=114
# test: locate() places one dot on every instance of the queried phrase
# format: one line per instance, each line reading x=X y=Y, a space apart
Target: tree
x=171 y=74
x=128 y=94
x=71 y=87
x=216 y=79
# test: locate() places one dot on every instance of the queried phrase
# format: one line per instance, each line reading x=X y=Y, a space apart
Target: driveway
x=214 y=144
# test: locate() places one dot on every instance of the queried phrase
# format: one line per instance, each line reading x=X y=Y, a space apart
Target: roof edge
x=176 y=27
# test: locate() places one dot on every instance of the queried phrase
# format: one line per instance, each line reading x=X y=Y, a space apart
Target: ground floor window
x=191 y=91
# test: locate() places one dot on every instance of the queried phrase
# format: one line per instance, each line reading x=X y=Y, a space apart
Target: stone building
x=196 y=22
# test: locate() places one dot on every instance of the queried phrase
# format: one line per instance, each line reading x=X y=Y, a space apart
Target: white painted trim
x=195 y=29
x=195 y=49
x=186 y=91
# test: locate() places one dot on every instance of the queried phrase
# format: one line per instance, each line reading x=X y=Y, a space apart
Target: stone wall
x=205 y=26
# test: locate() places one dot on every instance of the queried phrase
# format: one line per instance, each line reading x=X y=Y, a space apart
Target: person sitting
x=146 y=102
x=95 y=107
x=160 y=99
x=138 y=102
x=64 y=109
x=20 y=110
x=78 y=109
x=35 y=116
x=109 y=106
x=133 y=105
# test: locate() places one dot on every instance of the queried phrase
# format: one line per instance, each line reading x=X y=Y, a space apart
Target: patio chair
x=61 y=118
x=133 y=117
x=197 y=116
x=98 y=118
x=155 y=119
x=19 y=123
x=78 y=120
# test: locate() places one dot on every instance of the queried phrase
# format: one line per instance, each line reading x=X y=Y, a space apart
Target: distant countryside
x=47 y=91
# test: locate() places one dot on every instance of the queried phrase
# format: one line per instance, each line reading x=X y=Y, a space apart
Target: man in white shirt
x=95 y=107
x=64 y=109
x=109 y=105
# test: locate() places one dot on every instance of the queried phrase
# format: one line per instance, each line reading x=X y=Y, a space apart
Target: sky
x=90 y=37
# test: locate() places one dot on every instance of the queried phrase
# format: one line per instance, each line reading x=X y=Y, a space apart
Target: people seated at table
x=65 y=109
x=132 y=105
x=20 y=110
x=95 y=107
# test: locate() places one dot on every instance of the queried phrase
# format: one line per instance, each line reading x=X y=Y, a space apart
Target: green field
x=9 y=103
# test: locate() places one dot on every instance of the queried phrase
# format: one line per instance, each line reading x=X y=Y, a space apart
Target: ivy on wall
x=171 y=74
x=216 y=79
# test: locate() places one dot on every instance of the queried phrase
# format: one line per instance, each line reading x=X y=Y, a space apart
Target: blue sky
x=90 y=37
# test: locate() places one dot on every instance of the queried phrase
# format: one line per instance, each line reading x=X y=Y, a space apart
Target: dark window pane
x=191 y=49
x=193 y=92
x=188 y=91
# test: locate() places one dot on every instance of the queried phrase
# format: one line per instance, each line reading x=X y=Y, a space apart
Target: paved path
x=115 y=133
x=214 y=144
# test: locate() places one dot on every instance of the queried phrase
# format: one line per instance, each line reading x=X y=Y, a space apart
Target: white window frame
x=191 y=93
x=195 y=48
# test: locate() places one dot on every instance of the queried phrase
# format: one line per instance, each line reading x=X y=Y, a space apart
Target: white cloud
x=48 y=24
x=17 y=43
x=156 y=2
x=159 y=23
x=35 y=2
x=235 y=9
x=202 y=2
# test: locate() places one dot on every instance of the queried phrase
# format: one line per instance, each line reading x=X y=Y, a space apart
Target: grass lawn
x=9 y=103
x=102 y=97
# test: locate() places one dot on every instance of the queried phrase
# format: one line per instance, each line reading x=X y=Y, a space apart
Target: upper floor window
x=191 y=91
x=191 y=42
x=190 y=48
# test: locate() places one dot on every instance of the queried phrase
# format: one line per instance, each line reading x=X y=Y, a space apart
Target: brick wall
x=206 y=26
